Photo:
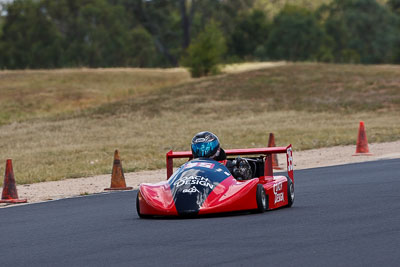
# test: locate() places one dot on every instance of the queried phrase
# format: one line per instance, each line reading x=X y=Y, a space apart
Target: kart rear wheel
x=290 y=192
x=262 y=203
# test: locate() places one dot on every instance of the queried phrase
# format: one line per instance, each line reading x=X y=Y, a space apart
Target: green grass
x=308 y=105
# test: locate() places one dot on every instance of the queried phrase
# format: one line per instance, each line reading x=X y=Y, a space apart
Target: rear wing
x=267 y=152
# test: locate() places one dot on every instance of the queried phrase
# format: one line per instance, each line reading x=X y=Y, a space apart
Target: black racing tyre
x=262 y=203
x=290 y=192
x=138 y=207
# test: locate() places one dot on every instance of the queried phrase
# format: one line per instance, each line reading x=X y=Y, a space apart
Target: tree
x=295 y=35
x=187 y=18
x=250 y=34
x=394 y=5
x=142 y=50
x=361 y=29
x=29 y=39
x=161 y=19
x=101 y=33
x=173 y=24
x=272 y=8
x=205 y=52
x=95 y=33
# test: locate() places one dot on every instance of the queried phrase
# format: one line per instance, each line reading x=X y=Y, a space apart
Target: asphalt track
x=345 y=215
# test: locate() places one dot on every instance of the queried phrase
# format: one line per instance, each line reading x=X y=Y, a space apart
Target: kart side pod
x=267 y=152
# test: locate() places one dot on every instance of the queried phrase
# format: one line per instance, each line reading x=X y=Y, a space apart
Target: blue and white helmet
x=205 y=145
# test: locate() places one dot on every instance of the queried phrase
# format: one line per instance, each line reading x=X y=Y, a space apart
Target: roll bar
x=266 y=151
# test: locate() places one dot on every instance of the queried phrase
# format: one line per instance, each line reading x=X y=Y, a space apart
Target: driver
x=206 y=145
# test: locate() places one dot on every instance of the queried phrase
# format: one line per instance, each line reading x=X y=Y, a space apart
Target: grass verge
x=308 y=105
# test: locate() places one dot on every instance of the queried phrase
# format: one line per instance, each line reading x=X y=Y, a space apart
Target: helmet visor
x=205 y=149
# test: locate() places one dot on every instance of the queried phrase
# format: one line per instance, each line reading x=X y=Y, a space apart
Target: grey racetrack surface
x=343 y=216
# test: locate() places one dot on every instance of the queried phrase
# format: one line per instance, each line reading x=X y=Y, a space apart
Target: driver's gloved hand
x=242 y=169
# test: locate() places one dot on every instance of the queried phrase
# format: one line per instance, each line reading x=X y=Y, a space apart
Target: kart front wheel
x=138 y=208
x=262 y=203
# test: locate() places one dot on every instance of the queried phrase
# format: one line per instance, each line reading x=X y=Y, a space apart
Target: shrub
x=205 y=52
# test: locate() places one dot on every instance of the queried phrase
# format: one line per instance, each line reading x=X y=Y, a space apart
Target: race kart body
x=204 y=186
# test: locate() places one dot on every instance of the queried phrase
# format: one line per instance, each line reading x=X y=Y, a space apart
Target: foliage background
x=158 y=33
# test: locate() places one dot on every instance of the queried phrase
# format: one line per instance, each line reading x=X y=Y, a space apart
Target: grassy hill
x=67 y=123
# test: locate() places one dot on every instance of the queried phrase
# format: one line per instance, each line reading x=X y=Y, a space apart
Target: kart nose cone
x=189 y=213
x=188 y=201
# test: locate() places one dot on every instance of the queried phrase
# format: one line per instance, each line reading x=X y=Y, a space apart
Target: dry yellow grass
x=42 y=93
x=308 y=105
x=52 y=150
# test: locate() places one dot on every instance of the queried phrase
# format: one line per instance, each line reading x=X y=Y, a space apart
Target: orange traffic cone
x=271 y=143
x=9 y=189
x=362 y=143
x=117 y=176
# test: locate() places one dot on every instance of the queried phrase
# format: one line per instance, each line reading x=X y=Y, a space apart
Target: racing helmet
x=205 y=145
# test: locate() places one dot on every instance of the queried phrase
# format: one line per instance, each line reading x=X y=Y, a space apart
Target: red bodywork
x=230 y=195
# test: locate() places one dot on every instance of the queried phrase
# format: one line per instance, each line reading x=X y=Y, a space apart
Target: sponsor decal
x=191 y=190
x=194 y=180
x=199 y=164
x=208 y=138
x=290 y=159
x=278 y=196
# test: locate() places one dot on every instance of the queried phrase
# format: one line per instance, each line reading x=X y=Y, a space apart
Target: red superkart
x=204 y=186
